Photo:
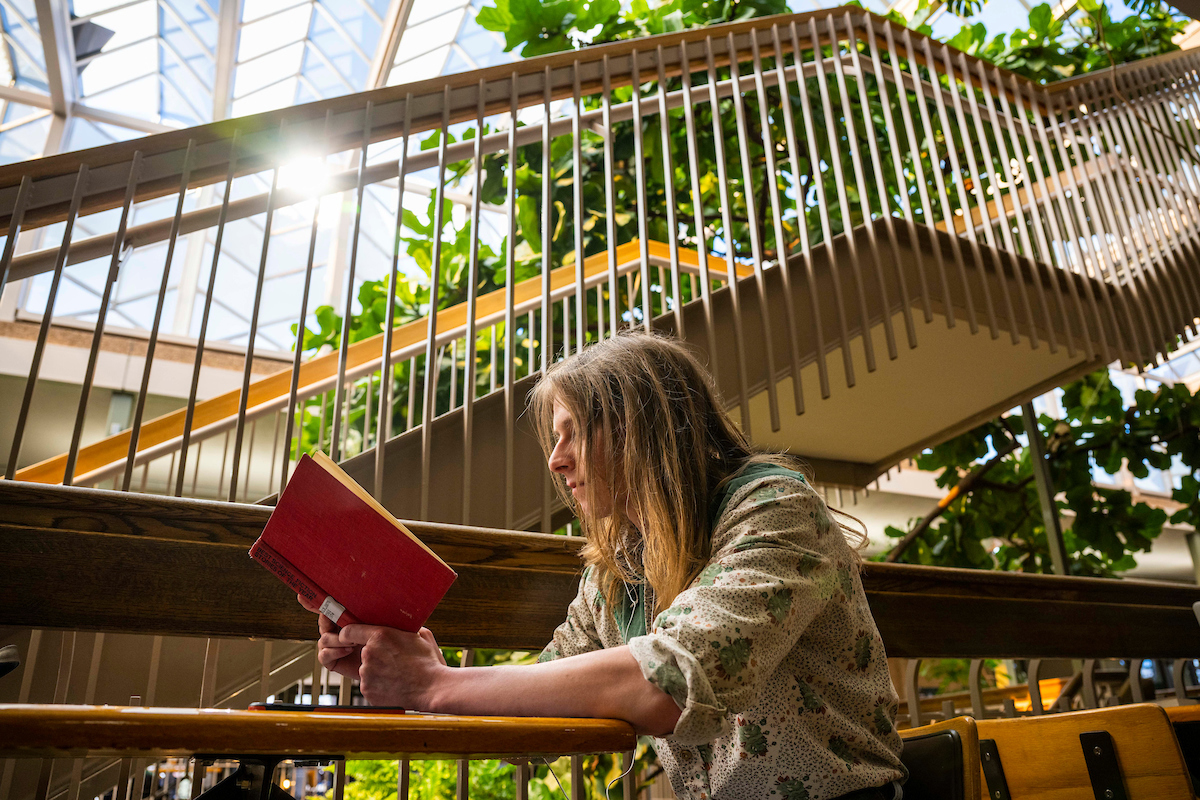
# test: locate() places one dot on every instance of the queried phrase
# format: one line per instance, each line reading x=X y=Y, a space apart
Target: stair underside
x=950 y=382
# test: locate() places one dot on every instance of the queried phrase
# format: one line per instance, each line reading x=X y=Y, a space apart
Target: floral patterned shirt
x=771 y=654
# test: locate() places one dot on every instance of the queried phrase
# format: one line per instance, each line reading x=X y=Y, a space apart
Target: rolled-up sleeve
x=577 y=633
x=724 y=636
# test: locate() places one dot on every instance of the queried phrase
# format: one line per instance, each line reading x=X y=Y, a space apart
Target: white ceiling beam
x=58 y=45
x=228 y=18
x=394 y=24
x=118 y=119
x=16 y=95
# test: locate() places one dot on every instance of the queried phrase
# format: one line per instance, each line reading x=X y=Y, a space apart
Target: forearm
x=604 y=683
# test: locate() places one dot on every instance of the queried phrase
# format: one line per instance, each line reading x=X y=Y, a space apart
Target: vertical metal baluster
x=224 y=458
x=1188 y=82
x=881 y=185
x=669 y=195
x=547 y=308
x=1184 y=179
x=639 y=171
x=1103 y=262
x=756 y=243
x=975 y=686
x=321 y=428
x=469 y=376
x=1071 y=251
x=28 y=669
x=805 y=252
x=566 y=329
x=629 y=782
x=1186 y=240
x=1117 y=234
x=402 y=779
x=121 y=789
x=1085 y=270
x=581 y=300
x=854 y=153
x=195 y=472
x=985 y=217
x=135 y=429
x=509 y=312
x=1183 y=277
x=339 y=775
x=964 y=208
x=1051 y=215
x=731 y=275
x=274 y=453
x=24 y=192
x=410 y=422
x=249 y=456
x=1088 y=257
x=521 y=781
x=432 y=361
x=940 y=185
x=89 y=697
x=910 y=133
x=44 y=330
x=453 y=375
x=189 y=415
x=610 y=201
x=578 y=785
x=689 y=118
x=1016 y=155
x=463 y=783
x=344 y=344
x=904 y=199
x=1001 y=222
x=89 y=375
x=66 y=660
x=295 y=380
x=384 y=421
x=367 y=408
x=530 y=356
x=814 y=159
x=1163 y=258
x=208 y=678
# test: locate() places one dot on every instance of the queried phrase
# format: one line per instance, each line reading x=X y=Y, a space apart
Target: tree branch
x=964 y=487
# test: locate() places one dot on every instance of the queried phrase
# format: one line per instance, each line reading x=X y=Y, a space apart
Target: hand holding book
x=341 y=551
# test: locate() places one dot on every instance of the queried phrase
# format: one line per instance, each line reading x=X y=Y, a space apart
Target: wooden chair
x=1122 y=753
x=1186 y=721
x=942 y=760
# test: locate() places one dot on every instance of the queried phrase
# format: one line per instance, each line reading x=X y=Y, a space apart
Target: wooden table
x=56 y=731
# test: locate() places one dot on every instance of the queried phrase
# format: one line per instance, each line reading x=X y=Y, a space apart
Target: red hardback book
x=338 y=547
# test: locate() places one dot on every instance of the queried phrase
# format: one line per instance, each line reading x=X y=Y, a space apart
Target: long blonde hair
x=644 y=408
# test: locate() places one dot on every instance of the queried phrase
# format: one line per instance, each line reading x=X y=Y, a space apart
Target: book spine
x=283 y=569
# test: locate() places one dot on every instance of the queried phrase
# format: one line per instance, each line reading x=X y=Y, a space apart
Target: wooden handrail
x=50 y=731
x=167 y=427
x=92 y=559
x=261 y=133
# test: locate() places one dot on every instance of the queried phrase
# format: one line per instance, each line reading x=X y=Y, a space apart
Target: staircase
x=971 y=242
x=894 y=241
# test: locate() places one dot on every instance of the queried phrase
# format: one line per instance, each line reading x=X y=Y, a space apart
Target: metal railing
x=751 y=148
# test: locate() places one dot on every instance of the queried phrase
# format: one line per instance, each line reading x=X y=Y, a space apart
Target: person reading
x=720 y=609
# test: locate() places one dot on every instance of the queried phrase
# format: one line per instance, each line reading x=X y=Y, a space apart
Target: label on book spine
x=333 y=609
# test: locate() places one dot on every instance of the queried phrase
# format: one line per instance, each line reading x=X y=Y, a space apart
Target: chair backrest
x=942 y=760
x=1128 y=750
x=1186 y=721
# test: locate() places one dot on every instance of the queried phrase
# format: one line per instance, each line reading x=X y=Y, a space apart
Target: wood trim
x=57 y=731
x=277 y=385
x=100 y=560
